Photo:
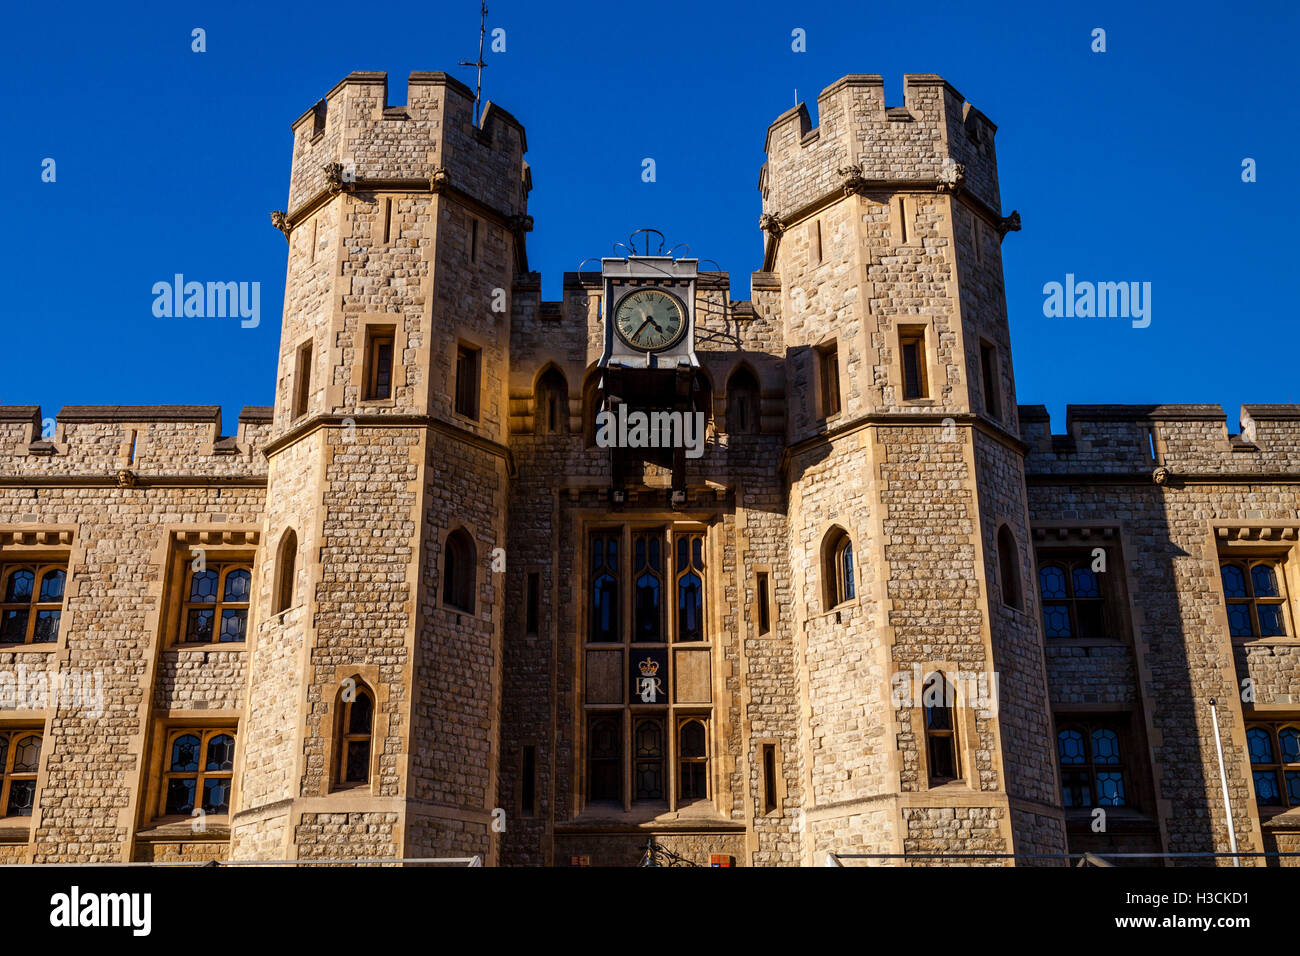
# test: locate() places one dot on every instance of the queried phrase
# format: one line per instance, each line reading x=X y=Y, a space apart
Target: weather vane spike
x=478 y=86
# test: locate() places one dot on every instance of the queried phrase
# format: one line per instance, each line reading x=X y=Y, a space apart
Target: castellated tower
x=387 y=482
x=884 y=227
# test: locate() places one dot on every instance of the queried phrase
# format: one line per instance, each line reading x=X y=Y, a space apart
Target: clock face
x=650 y=320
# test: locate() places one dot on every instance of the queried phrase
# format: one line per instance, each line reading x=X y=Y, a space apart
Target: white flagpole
x=1223 y=779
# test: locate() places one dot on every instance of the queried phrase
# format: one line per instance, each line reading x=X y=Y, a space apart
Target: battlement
x=919 y=142
x=432 y=133
x=145 y=441
x=1184 y=439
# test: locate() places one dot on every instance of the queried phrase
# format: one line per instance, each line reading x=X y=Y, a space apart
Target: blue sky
x=1125 y=166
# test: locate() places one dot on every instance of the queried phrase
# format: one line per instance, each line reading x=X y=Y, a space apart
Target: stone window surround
x=1139 y=767
x=174 y=553
x=1071 y=539
x=25 y=544
x=367 y=674
x=762 y=797
x=819 y=567
x=221 y=545
x=819 y=355
x=368 y=323
x=936 y=374
x=462 y=340
x=963 y=722
x=711 y=714
x=482 y=557
x=1252 y=541
x=773 y=607
x=216 y=827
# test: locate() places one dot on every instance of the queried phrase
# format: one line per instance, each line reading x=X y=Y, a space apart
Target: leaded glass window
x=1256 y=602
x=31 y=603
x=356 y=716
x=198 y=766
x=1275 y=763
x=215 y=610
x=937 y=700
x=20 y=760
x=1074 y=598
x=1093 y=766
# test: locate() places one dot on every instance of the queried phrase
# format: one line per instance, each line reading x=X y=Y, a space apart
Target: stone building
x=421 y=607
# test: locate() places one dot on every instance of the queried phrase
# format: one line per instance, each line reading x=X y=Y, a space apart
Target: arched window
x=590 y=407
x=937 y=700
x=702 y=395
x=29 y=613
x=458 y=572
x=551 y=408
x=1255 y=597
x=690 y=587
x=693 y=760
x=647 y=570
x=837 y=568
x=356 y=718
x=286 y=563
x=1009 y=569
x=605 y=759
x=603 y=613
x=742 y=402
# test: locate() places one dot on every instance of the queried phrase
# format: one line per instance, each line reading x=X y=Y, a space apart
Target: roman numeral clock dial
x=650 y=320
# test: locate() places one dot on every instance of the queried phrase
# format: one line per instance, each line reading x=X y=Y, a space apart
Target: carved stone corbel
x=440 y=181
x=770 y=222
x=854 y=181
x=336 y=181
x=1161 y=475
x=126 y=478
x=1009 y=223
x=951 y=177
x=520 y=222
x=280 y=221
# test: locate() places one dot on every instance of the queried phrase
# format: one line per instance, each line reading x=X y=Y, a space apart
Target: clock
x=650 y=320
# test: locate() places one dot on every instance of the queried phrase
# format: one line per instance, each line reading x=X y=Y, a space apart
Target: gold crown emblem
x=649 y=668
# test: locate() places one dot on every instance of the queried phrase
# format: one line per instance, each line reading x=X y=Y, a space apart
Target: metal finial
x=479 y=63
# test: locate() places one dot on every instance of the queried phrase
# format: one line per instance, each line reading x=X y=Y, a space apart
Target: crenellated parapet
x=936 y=140
x=1165 y=441
x=354 y=141
x=130 y=444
